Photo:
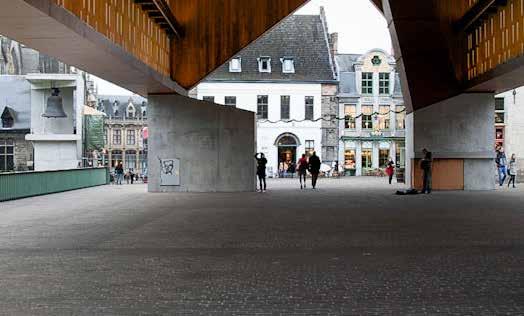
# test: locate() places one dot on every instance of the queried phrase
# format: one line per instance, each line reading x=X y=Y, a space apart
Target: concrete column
x=460 y=134
x=214 y=144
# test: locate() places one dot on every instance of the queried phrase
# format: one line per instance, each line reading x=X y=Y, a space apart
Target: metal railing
x=16 y=185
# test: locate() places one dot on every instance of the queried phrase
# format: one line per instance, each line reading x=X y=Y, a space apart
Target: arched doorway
x=287 y=144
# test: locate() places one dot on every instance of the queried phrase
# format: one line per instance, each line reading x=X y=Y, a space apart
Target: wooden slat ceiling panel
x=214 y=31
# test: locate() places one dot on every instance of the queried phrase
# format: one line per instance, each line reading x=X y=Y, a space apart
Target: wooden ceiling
x=214 y=31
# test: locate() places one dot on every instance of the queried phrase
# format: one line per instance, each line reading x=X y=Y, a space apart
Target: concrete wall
x=460 y=128
x=267 y=133
x=215 y=145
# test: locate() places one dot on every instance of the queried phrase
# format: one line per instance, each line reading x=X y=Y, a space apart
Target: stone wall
x=330 y=134
x=23 y=150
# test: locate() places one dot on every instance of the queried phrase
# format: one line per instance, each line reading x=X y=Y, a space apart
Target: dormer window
x=130 y=110
x=288 y=65
x=8 y=118
x=264 y=64
x=235 y=65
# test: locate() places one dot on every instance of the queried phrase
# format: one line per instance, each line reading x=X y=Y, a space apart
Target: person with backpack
x=314 y=168
x=302 y=166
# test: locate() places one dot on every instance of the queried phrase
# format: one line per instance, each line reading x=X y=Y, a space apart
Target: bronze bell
x=54 y=108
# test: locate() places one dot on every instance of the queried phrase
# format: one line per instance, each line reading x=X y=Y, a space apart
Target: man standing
x=425 y=165
x=261 y=171
x=314 y=168
x=501 y=165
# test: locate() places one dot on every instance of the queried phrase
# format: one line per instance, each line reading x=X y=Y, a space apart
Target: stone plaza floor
x=351 y=247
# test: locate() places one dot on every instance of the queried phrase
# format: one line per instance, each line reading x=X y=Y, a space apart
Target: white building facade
x=279 y=138
x=371 y=102
x=282 y=84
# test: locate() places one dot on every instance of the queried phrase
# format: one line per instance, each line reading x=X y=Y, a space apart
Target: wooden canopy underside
x=214 y=31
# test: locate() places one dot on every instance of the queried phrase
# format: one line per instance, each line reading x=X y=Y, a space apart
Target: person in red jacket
x=302 y=170
x=390 y=169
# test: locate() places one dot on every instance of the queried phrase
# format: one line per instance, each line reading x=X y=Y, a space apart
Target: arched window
x=287 y=139
x=116 y=157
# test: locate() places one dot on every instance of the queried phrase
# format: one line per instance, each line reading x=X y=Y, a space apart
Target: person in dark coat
x=119 y=171
x=261 y=171
x=314 y=168
x=425 y=165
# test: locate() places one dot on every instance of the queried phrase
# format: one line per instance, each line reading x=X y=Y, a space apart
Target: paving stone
x=349 y=248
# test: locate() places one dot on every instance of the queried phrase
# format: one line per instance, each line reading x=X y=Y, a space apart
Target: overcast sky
x=360 y=26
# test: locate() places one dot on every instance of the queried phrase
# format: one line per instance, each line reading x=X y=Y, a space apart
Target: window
x=131 y=137
x=130 y=160
x=130 y=111
x=209 y=99
x=105 y=136
x=230 y=101
x=383 y=83
x=7 y=118
x=7 y=155
x=499 y=104
x=284 y=107
x=384 y=117
x=117 y=137
x=367 y=83
x=499 y=135
x=367 y=117
x=350 y=114
x=288 y=65
x=366 y=159
x=499 y=111
x=235 y=65
x=383 y=156
x=262 y=107
x=264 y=64
x=309 y=108
x=350 y=158
x=400 y=157
x=401 y=116
x=310 y=147
x=116 y=157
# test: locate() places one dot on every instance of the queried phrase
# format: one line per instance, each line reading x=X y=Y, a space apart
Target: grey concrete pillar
x=460 y=134
x=214 y=145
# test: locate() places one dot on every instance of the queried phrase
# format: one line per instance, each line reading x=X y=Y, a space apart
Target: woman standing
x=261 y=171
x=390 y=169
x=512 y=171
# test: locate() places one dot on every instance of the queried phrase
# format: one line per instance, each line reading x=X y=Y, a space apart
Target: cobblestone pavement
x=349 y=248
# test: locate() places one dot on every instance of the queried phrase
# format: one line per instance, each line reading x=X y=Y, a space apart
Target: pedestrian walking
x=302 y=170
x=119 y=171
x=261 y=171
x=390 y=169
x=131 y=176
x=426 y=165
x=501 y=162
x=314 y=168
x=512 y=171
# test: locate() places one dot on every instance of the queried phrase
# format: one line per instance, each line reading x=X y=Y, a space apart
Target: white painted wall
x=267 y=133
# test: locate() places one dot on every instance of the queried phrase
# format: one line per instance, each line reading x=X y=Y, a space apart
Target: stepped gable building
x=126 y=120
x=371 y=101
x=286 y=77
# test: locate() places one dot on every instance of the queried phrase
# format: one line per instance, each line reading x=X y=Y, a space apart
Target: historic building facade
x=16 y=90
x=371 y=103
x=287 y=78
x=125 y=131
x=509 y=125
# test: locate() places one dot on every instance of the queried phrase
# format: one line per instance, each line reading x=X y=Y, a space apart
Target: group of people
x=303 y=166
x=506 y=168
x=119 y=175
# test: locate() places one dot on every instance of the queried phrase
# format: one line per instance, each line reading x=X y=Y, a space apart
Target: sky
x=359 y=24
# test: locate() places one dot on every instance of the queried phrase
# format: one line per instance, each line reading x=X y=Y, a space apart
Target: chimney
x=333 y=43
